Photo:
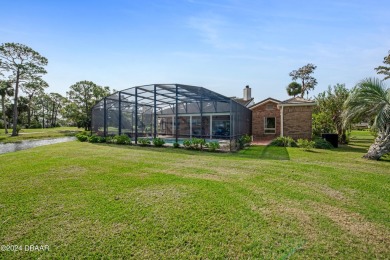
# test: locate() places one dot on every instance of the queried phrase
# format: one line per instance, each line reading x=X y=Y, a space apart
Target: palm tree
x=294 y=88
x=6 y=89
x=371 y=98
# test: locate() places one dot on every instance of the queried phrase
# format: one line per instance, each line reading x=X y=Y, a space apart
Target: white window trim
x=265 y=126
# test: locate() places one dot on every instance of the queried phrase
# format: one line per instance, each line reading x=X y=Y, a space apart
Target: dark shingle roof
x=243 y=101
x=263 y=101
x=298 y=101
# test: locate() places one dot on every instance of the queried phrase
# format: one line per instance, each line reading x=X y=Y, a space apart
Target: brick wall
x=297 y=121
x=268 y=109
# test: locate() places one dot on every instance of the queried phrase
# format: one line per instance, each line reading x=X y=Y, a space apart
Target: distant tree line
x=24 y=102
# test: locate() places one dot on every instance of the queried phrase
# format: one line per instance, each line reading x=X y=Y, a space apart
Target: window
x=269 y=125
x=270 y=107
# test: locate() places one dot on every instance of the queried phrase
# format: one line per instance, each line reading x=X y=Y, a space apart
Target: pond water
x=27 y=144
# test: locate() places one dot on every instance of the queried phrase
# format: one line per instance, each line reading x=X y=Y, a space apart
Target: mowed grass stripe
x=95 y=200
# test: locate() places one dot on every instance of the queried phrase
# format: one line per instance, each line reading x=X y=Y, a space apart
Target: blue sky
x=220 y=45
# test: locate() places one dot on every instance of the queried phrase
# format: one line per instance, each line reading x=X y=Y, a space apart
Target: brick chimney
x=247 y=93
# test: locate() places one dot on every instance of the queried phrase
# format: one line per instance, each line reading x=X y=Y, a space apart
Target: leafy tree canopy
x=22 y=63
x=20 y=59
x=294 y=88
x=385 y=70
x=35 y=86
x=6 y=90
x=304 y=74
x=83 y=95
x=330 y=109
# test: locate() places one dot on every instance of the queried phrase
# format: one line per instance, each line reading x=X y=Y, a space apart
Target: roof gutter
x=297 y=104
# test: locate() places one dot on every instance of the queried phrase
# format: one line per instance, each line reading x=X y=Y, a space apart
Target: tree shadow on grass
x=253 y=152
x=385 y=158
x=351 y=148
x=311 y=151
x=168 y=150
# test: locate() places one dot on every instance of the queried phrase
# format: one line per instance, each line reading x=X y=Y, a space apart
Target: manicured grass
x=97 y=200
x=27 y=134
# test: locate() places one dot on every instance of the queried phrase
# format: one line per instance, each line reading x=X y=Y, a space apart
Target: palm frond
x=369 y=98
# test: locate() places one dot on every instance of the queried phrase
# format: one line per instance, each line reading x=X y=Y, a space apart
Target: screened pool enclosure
x=171 y=111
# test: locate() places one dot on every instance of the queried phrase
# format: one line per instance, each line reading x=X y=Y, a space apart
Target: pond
x=27 y=144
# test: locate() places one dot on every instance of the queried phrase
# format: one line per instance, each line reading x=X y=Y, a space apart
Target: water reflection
x=13 y=147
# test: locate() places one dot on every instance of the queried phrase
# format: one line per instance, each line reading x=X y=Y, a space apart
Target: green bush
x=96 y=139
x=320 y=143
x=118 y=139
x=194 y=143
x=187 y=143
x=213 y=146
x=176 y=145
x=283 y=141
x=87 y=133
x=158 y=142
x=18 y=129
x=82 y=138
x=143 y=141
x=110 y=140
x=122 y=139
x=35 y=124
x=244 y=140
x=198 y=143
x=305 y=144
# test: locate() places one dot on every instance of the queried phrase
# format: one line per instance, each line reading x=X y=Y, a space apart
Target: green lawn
x=97 y=200
x=26 y=134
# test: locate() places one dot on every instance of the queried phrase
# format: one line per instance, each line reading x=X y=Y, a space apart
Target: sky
x=220 y=45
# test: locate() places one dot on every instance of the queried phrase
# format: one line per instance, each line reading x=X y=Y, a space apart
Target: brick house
x=272 y=118
x=265 y=119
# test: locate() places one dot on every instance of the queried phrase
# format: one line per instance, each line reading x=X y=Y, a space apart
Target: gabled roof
x=265 y=101
x=243 y=101
x=297 y=101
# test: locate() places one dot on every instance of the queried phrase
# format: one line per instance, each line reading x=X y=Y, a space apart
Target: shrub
x=305 y=144
x=96 y=139
x=158 y=142
x=143 y=141
x=198 y=143
x=119 y=139
x=122 y=139
x=213 y=146
x=82 y=138
x=194 y=143
x=35 y=124
x=110 y=140
x=283 y=141
x=87 y=133
x=18 y=128
x=320 y=143
x=244 y=140
x=187 y=143
x=176 y=145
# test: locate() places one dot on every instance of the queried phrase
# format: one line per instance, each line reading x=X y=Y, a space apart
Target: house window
x=270 y=107
x=269 y=125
